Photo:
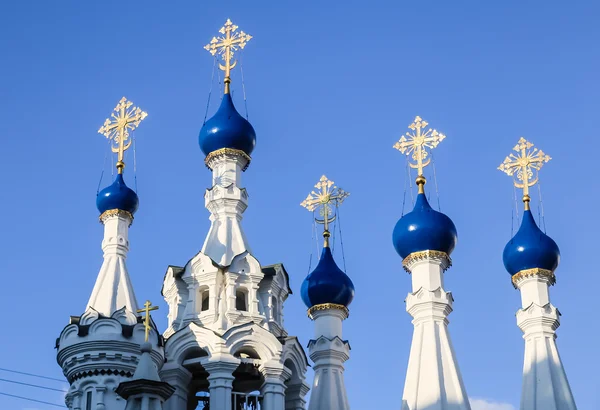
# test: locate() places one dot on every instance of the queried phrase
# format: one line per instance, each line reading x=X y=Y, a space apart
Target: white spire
x=545 y=384
x=433 y=380
x=226 y=202
x=113 y=289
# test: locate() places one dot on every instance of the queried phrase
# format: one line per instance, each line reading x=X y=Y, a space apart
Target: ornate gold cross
x=415 y=146
x=147 y=309
x=524 y=167
x=126 y=118
x=327 y=193
x=225 y=46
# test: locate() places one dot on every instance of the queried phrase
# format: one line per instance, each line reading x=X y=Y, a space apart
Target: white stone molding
x=113 y=289
x=545 y=383
x=329 y=351
x=433 y=379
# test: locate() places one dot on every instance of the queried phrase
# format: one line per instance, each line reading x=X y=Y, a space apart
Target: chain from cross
x=147 y=309
x=127 y=118
x=417 y=142
x=225 y=47
x=325 y=195
x=524 y=167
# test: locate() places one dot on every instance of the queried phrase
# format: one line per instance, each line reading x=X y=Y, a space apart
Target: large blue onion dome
x=424 y=229
x=327 y=284
x=117 y=196
x=227 y=129
x=530 y=248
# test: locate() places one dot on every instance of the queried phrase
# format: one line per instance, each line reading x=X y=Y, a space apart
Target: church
x=226 y=346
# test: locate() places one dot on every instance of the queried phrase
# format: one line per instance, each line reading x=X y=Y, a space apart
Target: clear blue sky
x=331 y=86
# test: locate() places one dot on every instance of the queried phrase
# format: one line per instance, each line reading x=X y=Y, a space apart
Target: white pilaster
x=113 y=289
x=220 y=379
x=226 y=201
x=178 y=377
x=329 y=351
x=273 y=388
x=433 y=379
x=545 y=384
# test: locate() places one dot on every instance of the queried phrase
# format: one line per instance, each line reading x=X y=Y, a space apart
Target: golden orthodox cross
x=416 y=146
x=326 y=194
x=126 y=118
x=524 y=167
x=225 y=46
x=147 y=309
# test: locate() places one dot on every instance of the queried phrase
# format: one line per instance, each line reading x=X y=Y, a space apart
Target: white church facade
x=226 y=346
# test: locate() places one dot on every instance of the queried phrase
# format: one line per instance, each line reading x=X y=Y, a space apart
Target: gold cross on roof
x=147 y=309
x=325 y=195
x=126 y=118
x=225 y=46
x=524 y=167
x=416 y=146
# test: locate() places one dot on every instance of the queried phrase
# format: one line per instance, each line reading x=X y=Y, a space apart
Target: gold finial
x=225 y=46
x=524 y=167
x=326 y=194
x=415 y=146
x=126 y=118
x=147 y=309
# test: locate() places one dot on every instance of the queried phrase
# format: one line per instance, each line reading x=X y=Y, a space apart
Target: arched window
x=275 y=308
x=241 y=300
x=205 y=300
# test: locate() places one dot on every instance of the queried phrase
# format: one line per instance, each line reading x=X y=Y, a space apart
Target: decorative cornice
x=415 y=257
x=227 y=151
x=116 y=212
x=528 y=273
x=327 y=306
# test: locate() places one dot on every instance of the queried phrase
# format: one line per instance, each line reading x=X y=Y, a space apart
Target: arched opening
x=275 y=308
x=241 y=300
x=205 y=298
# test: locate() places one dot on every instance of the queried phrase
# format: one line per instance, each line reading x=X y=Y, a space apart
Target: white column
x=226 y=201
x=178 y=377
x=433 y=380
x=329 y=352
x=273 y=388
x=220 y=379
x=545 y=384
x=294 y=396
x=113 y=289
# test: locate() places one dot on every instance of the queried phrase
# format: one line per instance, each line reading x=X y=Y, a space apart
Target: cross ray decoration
x=231 y=41
x=125 y=118
x=147 y=309
x=417 y=143
x=326 y=195
x=524 y=167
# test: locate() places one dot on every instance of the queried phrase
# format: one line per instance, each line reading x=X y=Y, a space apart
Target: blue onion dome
x=327 y=284
x=117 y=196
x=530 y=248
x=227 y=129
x=424 y=229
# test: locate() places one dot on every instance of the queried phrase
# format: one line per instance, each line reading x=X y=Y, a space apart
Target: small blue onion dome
x=327 y=284
x=227 y=129
x=117 y=196
x=530 y=248
x=424 y=229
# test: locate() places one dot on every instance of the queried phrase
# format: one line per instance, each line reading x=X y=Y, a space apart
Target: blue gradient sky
x=330 y=86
